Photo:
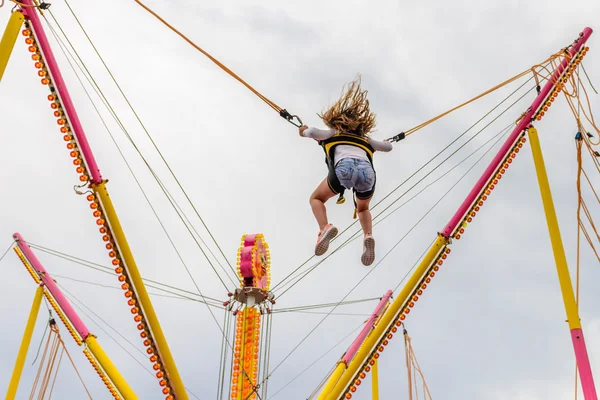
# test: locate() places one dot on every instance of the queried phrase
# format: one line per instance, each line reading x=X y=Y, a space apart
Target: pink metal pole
x=52 y=287
x=521 y=126
x=583 y=362
x=367 y=328
x=61 y=87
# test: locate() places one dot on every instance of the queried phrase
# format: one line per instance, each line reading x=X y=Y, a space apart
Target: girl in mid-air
x=349 y=155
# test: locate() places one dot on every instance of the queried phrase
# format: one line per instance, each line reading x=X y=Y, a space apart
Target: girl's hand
x=302 y=129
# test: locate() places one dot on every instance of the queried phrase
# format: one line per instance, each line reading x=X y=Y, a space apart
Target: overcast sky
x=493 y=324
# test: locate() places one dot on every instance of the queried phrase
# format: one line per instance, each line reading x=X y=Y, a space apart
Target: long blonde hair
x=351 y=113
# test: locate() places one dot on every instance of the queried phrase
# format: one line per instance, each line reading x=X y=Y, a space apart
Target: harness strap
x=331 y=168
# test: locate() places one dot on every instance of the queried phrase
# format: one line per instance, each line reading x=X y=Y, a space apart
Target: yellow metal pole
x=16 y=375
x=9 y=38
x=375 y=380
x=142 y=294
x=110 y=369
x=386 y=319
x=333 y=379
x=581 y=354
x=557 y=246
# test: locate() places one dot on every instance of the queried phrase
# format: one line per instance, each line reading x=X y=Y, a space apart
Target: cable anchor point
x=290 y=118
x=397 y=137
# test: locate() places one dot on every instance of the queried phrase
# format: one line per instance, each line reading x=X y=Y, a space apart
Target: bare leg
x=364 y=215
x=317 y=202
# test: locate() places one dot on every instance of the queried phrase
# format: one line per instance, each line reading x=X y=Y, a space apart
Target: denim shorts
x=358 y=174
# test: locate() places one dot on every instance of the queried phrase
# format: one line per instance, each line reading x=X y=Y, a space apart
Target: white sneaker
x=368 y=255
x=325 y=236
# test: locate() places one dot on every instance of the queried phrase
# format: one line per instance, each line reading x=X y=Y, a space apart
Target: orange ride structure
x=251 y=303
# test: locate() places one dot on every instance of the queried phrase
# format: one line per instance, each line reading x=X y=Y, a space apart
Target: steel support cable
x=289 y=276
x=376 y=217
x=356 y=235
x=107 y=270
x=588 y=78
x=173 y=296
x=149 y=137
x=265 y=380
x=185 y=266
x=171 y=199
x=222 y=359
x=324 y=305
x=332 y=313
x=505 y=130
x=317 y=360
x=409 y=189
x=82 y=308
x=7 y=250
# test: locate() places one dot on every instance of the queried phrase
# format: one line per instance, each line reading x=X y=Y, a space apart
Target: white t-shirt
x=344 y=150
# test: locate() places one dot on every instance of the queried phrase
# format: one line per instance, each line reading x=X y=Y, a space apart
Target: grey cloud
x=492 y=325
